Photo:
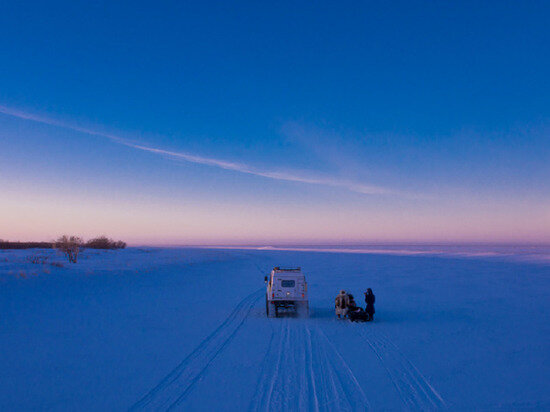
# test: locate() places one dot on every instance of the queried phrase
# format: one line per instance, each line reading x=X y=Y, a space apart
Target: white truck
x=286 y=290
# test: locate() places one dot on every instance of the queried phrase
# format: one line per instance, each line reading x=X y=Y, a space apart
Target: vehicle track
x=259 y=394
x=302 y=370
x=415 y=390
x=176 y=386
x=284 y=382
x=337 y=381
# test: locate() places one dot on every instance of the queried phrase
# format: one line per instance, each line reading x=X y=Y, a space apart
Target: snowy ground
x=158 y=329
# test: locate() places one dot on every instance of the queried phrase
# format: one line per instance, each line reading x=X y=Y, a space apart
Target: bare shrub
x=37 y=259
x=70 y=246
x=103 y=242
x=57 y=264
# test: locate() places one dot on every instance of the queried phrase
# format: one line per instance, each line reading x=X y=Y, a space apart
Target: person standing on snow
x=341 y=304
x=369 y=300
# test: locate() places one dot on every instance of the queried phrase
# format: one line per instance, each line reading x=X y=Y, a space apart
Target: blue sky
x=288 y=122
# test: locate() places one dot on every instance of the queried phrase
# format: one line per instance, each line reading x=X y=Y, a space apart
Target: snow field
x=185 y=329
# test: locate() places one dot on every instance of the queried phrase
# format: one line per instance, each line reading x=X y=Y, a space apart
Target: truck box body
x=286 y=288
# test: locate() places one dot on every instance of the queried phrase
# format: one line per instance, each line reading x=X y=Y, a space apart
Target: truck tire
x=271 y=310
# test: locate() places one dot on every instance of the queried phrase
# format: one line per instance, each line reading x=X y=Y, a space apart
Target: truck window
x=287 y=283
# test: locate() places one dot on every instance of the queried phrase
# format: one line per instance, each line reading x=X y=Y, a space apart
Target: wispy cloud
x=289 y=176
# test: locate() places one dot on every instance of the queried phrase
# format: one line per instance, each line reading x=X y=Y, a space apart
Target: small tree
x=70 y=246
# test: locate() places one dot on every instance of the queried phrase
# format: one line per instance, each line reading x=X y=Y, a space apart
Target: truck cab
x=286 y=291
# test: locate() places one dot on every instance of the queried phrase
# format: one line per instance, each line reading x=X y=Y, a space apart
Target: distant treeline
x=101 y=242
x=26 y=245
x=104 y=242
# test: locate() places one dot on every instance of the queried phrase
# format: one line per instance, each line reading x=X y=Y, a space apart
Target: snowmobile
x=358 y=315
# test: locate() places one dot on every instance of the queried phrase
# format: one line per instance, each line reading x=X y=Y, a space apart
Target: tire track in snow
x=304 y=371
x=175 y=387
x=286 y=380
x=311 y=374
x=337 y=381
x=268 y=372
x=415 y=390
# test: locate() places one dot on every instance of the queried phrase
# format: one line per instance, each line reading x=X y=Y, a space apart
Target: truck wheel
x=270 y=309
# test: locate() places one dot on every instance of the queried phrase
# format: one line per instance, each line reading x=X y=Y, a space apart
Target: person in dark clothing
x=369 y=300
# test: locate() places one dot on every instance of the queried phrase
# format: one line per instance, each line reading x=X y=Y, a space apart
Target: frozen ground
x=159 y=329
